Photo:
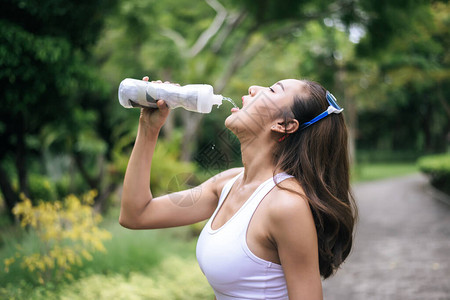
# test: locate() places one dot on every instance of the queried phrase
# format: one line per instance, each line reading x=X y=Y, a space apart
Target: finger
x=145 y=78
x=162 y=105
x=167 y=82
x=147 y=110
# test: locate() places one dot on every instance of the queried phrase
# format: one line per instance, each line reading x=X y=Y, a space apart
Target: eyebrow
x=282 y=86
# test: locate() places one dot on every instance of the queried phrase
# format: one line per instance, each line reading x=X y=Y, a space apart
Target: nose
x=253 y=90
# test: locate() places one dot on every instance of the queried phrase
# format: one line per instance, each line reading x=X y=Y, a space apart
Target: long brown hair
x=317 y=157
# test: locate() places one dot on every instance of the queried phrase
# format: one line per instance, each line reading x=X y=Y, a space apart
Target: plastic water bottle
x=194 y=97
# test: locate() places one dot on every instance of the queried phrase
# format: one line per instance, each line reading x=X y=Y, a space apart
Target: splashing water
x=230 y=100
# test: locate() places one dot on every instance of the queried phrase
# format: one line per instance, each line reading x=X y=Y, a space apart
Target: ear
x=291 y=126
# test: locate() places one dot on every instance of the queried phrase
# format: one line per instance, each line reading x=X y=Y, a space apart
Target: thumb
x=163 y=108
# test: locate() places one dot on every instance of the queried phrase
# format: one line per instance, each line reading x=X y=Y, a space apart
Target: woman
x=279 y=223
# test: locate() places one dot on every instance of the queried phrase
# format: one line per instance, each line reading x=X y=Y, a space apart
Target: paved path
x=402 y=246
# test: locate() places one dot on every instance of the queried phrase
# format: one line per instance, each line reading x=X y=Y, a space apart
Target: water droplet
x=230 y=100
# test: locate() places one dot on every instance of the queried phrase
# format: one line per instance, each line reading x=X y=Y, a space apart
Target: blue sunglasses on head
x=334 y=108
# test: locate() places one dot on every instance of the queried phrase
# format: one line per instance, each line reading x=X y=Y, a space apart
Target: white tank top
x=232 y=270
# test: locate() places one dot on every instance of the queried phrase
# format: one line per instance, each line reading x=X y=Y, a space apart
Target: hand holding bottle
x=154 y=118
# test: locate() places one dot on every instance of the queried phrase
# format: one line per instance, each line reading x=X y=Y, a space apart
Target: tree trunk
x=90 y=180
x=21 y=155
x=11 y=197
x=350 y=111
x=352 y=117
x=97 y=182
x=100 y=203
x=426 y=127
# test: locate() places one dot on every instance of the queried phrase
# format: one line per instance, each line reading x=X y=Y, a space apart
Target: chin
x=236 y=124
x=230 y=121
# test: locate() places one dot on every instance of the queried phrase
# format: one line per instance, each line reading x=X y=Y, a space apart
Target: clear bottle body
x=193 y=97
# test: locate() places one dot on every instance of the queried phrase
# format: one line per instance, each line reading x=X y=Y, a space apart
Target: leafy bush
x=70 y=183
x=128 y=252
x=67 y=233
x=41 y=188
x=437 y=167
x=173 y=279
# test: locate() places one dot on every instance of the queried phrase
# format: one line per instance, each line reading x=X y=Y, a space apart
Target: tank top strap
x=281 y=176
x=256 y=199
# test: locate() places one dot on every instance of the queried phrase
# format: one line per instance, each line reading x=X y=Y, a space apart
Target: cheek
x=263 y=113
x=248 y=123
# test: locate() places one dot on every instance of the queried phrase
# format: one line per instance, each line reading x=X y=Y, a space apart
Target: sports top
x=232 y=270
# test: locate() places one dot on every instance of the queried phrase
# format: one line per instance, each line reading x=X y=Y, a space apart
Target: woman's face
x=263 y=106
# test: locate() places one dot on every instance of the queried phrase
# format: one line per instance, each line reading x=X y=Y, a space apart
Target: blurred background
x=65 y=140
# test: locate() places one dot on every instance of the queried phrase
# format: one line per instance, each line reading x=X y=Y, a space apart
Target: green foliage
x=173 y=279
x=68 y=184
x=388 y=18
x=386 y=157
x=378 y=171
x=41 y=188
x=127 y=251
x=59 y=18
x=269 y=11
x=67 y=233
x=169 y=173
x=47 y=78
x=437 y=167
x=137 y=41
x=405 y=86
x=156 y=255
x=130 y=250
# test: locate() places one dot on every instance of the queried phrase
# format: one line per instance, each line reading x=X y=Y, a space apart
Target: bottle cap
x=206 y=98
x=205 y=104
x=217 y=99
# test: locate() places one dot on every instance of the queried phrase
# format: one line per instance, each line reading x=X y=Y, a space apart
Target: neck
x=257 y=160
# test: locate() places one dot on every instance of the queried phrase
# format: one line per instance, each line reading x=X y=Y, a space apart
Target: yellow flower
x=8 y=262
x=67 y=231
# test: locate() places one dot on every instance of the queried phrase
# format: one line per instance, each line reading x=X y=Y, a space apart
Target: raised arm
x=139 y=210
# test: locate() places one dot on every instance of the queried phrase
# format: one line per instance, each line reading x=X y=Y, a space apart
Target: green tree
x=45 y=76
x=407 y=87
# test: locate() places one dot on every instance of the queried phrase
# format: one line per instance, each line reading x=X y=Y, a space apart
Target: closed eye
x=271 y=89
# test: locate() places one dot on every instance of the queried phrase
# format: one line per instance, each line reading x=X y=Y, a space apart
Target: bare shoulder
x=288 y=204
x=291 y=222
x=288 y=195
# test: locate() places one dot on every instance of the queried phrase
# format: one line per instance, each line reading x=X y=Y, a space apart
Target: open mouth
x=236 y=109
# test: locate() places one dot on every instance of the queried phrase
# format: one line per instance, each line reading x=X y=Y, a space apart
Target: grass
x=367 y=172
